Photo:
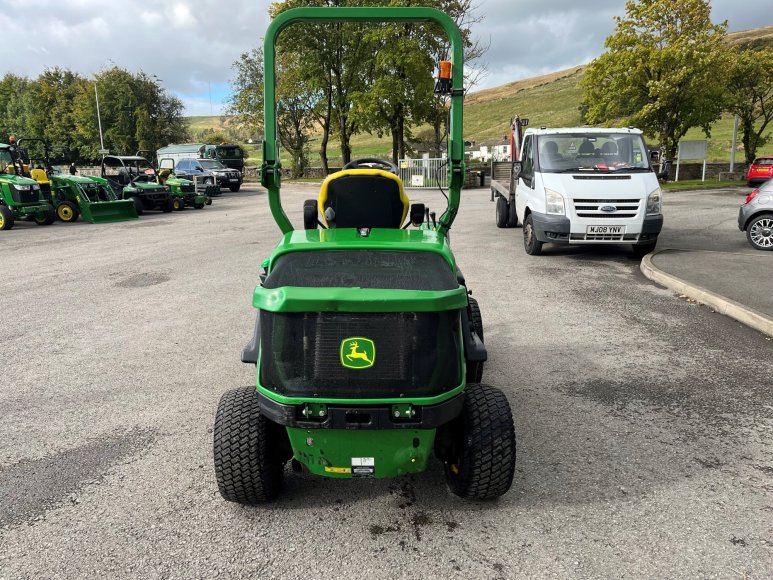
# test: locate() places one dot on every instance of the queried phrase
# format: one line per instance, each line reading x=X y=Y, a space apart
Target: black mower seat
x=363 y=198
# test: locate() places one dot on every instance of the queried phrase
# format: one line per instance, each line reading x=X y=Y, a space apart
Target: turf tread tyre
x=138 y=205
x=178 y=204
x=501 y=212
x=69 y=216
x=48 y=219
x=475 y=368
x=7 y=221
x=248 y=467
x=487 y=448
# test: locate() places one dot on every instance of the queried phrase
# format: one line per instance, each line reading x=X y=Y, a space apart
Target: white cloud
x=193 y=44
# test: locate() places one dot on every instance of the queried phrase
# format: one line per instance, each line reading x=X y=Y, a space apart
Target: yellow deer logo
x=357 y=353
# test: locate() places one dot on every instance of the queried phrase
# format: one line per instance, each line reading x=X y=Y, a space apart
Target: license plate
x=605 y=230
x=234 y=179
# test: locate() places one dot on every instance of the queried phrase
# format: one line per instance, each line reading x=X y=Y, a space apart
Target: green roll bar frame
x=270 y=174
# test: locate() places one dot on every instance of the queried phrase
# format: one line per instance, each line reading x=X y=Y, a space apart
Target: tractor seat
x=39 y=175
x=363 y=198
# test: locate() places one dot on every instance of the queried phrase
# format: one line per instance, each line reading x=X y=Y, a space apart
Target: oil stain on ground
x=32 y=487
x=143 y=280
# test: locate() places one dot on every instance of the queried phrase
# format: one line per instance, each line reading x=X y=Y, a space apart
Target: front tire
x=47 y=218
x=483 y=462
x=235 y=188
x=198 y=205
x=169 y=206
x=641 y=250
x=759 y=232
x=6 y=218
x=249 y=466
x=67 y=212
x=138 y=205
x=531 y=244
x=178 y=204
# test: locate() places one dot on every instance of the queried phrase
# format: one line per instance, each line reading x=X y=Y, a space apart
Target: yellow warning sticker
x=338 y=469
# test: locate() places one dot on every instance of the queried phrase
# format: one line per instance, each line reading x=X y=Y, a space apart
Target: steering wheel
x=372 y=163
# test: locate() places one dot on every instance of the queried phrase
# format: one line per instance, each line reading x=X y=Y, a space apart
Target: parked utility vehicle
x=367 y=346
x=586 y=186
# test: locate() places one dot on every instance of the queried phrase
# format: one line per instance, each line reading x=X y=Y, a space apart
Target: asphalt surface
x=644 y=421
x=705 y=248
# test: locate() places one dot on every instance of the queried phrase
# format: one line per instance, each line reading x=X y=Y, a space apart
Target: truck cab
x=587 y=186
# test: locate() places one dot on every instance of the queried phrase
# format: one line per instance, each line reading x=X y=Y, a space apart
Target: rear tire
x=67 y=212
x=484 y=452
x=48 y=218
x=249 y=466
x=641 y=250
x=501 y=212
x=531 y=244
x=138 y=205
x=6 y=218
x=512 y=217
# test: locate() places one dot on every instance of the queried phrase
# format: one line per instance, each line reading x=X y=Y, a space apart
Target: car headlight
x=655 y=202
x=554 y=202
x=23 y=187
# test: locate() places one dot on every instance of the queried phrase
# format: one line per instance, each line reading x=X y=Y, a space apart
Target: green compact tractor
x=368 y=348
x=20 y=197
x=75 y=195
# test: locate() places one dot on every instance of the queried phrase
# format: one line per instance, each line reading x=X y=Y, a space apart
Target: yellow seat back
x=363 y=198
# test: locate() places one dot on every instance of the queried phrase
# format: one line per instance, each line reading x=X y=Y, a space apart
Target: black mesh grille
x=31 y=196
x=187 y=188
x=363 y=269
x=416 y=354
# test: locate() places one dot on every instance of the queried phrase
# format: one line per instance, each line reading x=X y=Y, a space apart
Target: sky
x=192 y=45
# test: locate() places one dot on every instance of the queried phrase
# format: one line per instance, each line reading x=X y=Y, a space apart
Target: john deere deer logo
x=358 y=353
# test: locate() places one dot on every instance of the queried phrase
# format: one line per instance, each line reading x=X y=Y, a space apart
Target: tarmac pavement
x=644 y=421
x=703 y=255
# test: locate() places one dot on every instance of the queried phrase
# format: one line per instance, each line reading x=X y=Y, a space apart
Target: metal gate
x=424 y=173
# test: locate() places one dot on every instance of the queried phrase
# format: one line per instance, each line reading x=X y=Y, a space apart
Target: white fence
x=424 y=173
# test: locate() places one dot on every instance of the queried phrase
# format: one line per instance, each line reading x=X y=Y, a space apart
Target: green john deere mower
x=20 y=196
x=368 y=348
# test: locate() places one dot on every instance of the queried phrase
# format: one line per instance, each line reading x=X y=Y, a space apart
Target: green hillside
x=551 y=100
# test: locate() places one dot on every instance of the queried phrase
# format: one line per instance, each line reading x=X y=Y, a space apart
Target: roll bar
x=271 y=166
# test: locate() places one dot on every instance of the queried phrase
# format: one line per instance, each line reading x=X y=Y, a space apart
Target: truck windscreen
x=568 y=152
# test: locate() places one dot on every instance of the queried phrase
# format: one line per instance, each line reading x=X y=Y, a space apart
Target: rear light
x=751 y=196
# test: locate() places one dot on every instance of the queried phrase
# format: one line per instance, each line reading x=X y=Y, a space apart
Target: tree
x=246 y=102
x=294 y=120
x=662 y=72
x=750 y=96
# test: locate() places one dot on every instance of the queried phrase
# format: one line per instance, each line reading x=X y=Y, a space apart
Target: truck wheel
x=475 y=368
x=501 y=212
x=235 y=188
x=248 y=464
x=178 y=204
x=531 y=244
x=138 y=205
x=512 y=217
x=67 y=211
x=47 y=218
x=641 y=250
x=6 y=218
x=169 y=206
x=483 y=462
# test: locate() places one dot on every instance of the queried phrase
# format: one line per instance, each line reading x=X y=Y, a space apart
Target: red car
x=759 y=171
